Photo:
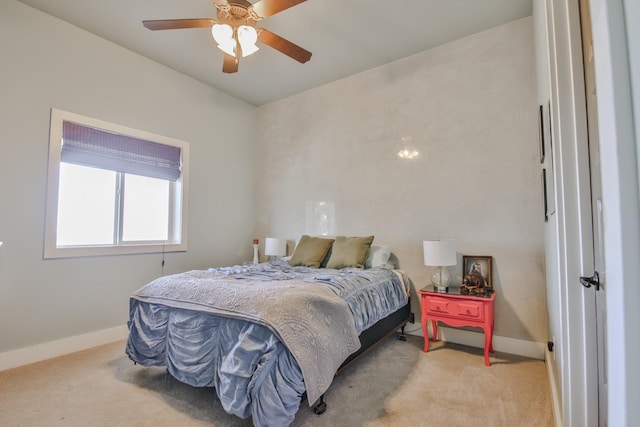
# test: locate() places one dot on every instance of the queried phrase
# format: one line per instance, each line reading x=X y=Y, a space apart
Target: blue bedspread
x=253 y=373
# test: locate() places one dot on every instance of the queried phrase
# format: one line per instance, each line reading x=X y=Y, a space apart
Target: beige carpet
x=395 y=385
x=514 y=391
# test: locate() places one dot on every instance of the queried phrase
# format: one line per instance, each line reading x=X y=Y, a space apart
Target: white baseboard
x=533 y=349
x=555 y=394
x=48 y=350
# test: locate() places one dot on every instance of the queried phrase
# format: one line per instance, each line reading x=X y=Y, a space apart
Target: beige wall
x=48 y=63
x=469 y=108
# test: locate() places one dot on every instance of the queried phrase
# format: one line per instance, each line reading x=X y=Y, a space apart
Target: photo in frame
x=481 y=263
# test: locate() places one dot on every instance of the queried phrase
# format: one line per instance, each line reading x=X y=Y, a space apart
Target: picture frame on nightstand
x=483 y=263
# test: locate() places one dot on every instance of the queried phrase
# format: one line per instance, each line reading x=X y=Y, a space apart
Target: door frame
x=617 y=62
x=596 y=326
x=573 y=232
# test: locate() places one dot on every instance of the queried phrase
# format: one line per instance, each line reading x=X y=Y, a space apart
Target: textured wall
x=469 y=108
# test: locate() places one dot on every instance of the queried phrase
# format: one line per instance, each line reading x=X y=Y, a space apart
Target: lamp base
x=441 y=279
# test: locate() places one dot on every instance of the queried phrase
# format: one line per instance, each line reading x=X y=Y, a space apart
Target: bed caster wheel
x=401 y=335
x=320 y=408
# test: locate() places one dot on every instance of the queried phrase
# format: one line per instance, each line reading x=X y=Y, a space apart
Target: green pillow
x=349 y=252
x=310 y=251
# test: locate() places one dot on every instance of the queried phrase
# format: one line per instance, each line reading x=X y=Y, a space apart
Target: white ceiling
x=345 y=36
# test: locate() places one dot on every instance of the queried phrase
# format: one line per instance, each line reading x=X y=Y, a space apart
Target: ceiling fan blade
x=283 y=45
x=224 y=3
x=266 y=8
x=176 y=24
x=230 y=64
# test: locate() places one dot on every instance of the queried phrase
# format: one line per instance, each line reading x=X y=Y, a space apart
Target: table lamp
x=275 y=247
x=440 y=253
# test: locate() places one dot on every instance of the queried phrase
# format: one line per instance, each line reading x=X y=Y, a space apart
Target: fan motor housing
x=237 y=14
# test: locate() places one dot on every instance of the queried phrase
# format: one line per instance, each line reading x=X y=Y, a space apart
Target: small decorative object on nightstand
x=440 y=253
x=255 y=251
x=455 y=309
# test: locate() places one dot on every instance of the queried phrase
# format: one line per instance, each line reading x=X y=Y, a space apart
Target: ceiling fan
x=235 y=29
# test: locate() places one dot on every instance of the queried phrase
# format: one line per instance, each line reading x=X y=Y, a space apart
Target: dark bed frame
x=369 y=338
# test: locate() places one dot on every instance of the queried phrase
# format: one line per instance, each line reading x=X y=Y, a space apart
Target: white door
x=595 y=282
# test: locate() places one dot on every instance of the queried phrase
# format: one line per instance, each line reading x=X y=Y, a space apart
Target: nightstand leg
x=425 y=332
x=487 y=346
x=434 y=326
x=491 y=339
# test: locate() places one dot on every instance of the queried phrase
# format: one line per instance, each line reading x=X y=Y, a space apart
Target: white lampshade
x=275 y=247
x=439 y=253
x=223 y=35
x=221 y=32
x=247 y=37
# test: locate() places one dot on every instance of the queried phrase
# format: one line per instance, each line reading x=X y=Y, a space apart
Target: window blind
x=87 y=146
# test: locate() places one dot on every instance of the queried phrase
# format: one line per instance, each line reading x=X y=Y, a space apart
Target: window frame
x=178 y=213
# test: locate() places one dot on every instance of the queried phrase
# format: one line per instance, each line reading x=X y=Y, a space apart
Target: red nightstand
x=456 y=309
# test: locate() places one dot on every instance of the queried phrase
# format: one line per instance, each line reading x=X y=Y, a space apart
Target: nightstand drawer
x=462 y=309
x=470 y=309
x=438 y=305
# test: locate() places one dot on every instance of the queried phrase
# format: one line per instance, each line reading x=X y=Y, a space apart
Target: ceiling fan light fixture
x=223 y=35
x=234 y=29
x=247 y=37
x=228 y=47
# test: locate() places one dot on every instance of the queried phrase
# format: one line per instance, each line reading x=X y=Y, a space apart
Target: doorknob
x=588 y=281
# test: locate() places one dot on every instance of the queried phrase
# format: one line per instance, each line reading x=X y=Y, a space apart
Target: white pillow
x=378 y=256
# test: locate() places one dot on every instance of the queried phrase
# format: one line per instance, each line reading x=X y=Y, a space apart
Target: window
x=113 y=190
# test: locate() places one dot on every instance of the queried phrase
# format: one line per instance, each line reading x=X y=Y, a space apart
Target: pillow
x=378 y=256
x=310 y=251
x=325 y=260
x=349 y=252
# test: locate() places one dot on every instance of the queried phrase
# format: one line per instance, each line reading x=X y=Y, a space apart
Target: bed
x=268 y=336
